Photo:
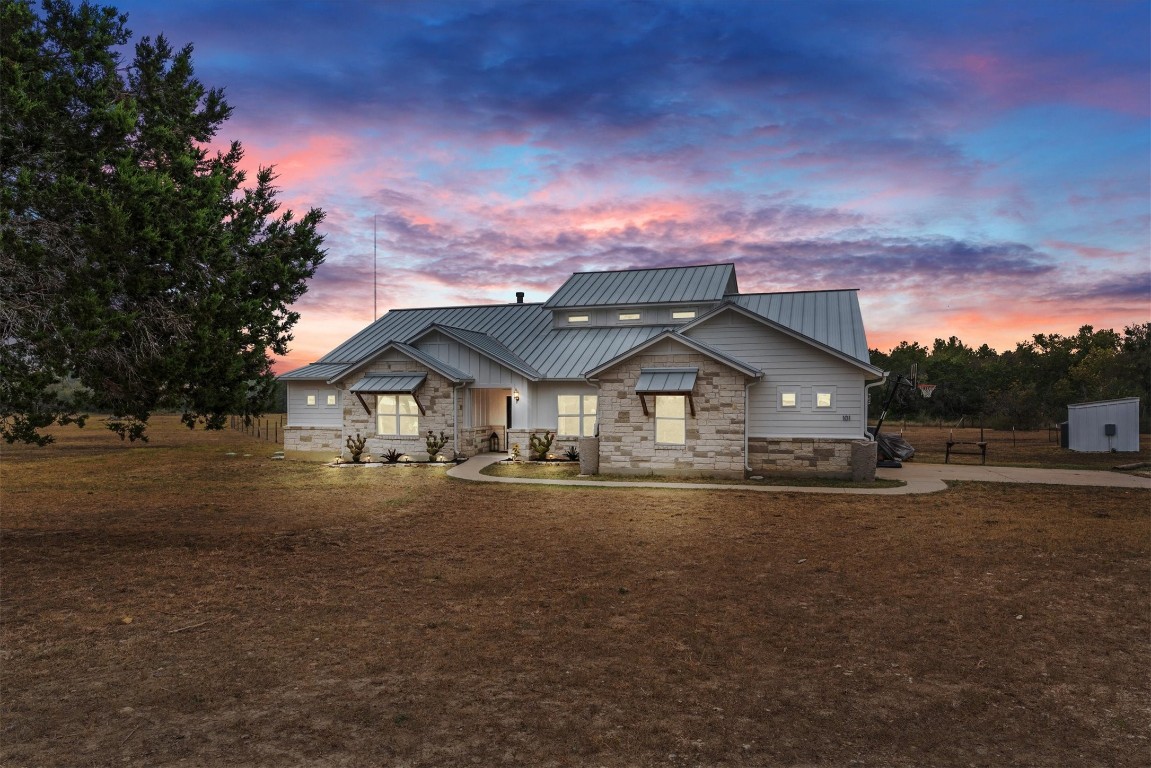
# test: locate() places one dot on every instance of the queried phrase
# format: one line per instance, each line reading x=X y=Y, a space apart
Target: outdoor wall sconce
x=516 y=395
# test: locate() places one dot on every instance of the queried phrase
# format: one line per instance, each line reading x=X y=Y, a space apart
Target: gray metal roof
x=314 y=372
x=449 y=372
x=673 y=285
x=384 y=383
x=832 y=318
x=673 y=380
x=525 y=330
x=486 y=345
x=522 y=336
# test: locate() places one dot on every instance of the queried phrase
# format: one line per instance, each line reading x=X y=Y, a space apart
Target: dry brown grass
x=286 y=614
x=1038 y=448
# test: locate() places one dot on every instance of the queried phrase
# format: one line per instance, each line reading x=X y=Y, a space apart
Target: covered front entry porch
x=491 y=417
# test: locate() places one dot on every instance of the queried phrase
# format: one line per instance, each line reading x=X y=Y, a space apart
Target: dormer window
x=683 y=314
x=578 y=319
x=629 y=316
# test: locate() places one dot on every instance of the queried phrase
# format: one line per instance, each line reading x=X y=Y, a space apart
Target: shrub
x=356 y=446
x=540 y=445
x=434 y=444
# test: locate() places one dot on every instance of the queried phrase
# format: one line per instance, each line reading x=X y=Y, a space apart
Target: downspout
x=867 y=399
x=456 y=416
x=746 y=411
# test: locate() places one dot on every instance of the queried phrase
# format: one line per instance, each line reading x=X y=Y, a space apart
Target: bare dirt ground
x=170 y=605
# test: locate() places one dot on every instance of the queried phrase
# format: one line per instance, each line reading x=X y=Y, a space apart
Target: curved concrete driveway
x=919 y=478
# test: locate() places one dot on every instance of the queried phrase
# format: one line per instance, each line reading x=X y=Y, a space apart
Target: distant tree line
x=1027 y=387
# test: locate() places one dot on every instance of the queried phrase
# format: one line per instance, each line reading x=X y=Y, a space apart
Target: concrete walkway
x=919 y=478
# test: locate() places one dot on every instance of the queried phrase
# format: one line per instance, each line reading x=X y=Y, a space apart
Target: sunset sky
x=976 y=169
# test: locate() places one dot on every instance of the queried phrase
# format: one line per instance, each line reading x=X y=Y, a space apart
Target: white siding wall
x=300 y=414
x=791 y=365
x=487 y=373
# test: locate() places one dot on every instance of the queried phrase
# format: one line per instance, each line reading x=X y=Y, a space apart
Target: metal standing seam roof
x=439 y=366
x=673 y=380
x=486 y=345
x=522 y=336
x=832 y=318
x=672 y=285
x=314 y=372
x=385 y=383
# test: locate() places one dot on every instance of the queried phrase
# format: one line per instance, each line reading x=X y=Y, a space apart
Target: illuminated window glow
x=577 y=415
x=397 y=415
x=670 y=419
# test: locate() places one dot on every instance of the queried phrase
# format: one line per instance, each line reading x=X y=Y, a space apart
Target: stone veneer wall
x=714 y=444
x=313 y=443
x=811 y=456
x=436 y=397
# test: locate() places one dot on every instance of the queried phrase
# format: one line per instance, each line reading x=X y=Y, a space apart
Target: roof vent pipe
x=519 y=297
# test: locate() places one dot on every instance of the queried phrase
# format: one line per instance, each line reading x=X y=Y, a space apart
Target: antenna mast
x=375 y=310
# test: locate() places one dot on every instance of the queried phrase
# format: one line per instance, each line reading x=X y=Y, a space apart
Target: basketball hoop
x=926 y=389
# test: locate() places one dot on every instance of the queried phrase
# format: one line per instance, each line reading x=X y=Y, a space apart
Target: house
x=674 y=369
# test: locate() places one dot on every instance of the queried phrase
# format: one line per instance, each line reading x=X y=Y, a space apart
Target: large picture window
x=670 y=419
x=397 y=415
x=577 y=415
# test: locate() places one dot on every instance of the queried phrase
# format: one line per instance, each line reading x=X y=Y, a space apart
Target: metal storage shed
x=1107 y=425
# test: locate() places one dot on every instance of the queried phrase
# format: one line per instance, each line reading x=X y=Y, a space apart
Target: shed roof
x=630 y=287
x=673 y=380
x=385 y=383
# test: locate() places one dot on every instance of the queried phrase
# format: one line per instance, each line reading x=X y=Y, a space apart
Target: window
x=627 y=316
x=788 y=398
x=331 y=399
x=310 y=399
x=577 y=415
x=825 y=398
x=683 y=314
x=670 y=419
x=397 y=415
x=578 y=318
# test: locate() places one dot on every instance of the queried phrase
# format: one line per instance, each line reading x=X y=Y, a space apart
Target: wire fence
x=270 y=428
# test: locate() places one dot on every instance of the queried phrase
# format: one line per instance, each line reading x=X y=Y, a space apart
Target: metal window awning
x=389 y=384
x=666 y=381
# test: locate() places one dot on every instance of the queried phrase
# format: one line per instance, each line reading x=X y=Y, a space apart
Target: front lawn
x=174 y=605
